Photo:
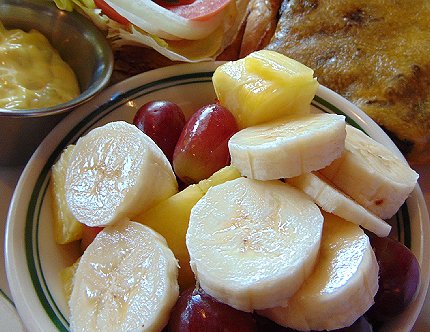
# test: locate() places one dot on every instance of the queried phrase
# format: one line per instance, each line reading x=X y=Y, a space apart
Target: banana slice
x=116 y=173
x=253 y=243
x=342 y=286
x=126 y=280
x=288 y=147
x=170 y=219
x=371 y=174
x=332 y=200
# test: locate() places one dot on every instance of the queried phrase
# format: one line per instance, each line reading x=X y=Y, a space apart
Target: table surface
x=9 y=177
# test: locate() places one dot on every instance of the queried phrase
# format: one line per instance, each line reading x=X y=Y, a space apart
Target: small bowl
x=80 y=44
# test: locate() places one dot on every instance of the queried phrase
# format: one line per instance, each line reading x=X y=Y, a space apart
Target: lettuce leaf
x=205 y=49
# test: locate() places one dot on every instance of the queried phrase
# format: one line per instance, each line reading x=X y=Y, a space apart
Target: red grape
x=399 y=275
x=88 y=236
x=163 y=122
x=266 y=325
x=202 y=148
x=197 y=311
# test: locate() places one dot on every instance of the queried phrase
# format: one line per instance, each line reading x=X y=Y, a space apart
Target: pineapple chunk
x=66 y=228
x=66 y=276
x=170 y=219
x=264 y=86
x=223 y=175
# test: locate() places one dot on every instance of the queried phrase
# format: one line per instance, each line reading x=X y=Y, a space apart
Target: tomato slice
x=197 y=10
x=110 y=12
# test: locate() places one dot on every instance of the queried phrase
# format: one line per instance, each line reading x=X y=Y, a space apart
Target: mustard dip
x=32 y=73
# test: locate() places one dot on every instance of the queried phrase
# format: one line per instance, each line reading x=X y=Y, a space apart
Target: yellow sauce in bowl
x=32 y=73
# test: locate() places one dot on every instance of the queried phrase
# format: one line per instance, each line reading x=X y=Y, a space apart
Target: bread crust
x=375 y=53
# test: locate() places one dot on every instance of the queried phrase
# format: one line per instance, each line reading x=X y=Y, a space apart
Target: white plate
x=34 y=261
x=9 y=318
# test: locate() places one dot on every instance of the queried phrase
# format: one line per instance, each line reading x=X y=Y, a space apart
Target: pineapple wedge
x=264 y=86
x=66 y=276
x=170 y=219
x=225 y=174
x=66 y=228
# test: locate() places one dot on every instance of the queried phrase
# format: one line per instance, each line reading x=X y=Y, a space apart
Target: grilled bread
x=375 y=53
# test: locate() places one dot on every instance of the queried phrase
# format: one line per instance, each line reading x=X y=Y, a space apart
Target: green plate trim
x=317 y=101
x=32 y=250
x=407 y=236
x=3 y=294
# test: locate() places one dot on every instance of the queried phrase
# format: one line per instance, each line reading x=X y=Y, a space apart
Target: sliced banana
x=371 y=174
x=341 y=288
x=116 y=173
x=170 y=219
x=332 y=200
x=253 y=243
x=126 y=280
x=288 y=147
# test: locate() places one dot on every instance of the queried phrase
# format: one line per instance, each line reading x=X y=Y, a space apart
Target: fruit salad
x=256 y=214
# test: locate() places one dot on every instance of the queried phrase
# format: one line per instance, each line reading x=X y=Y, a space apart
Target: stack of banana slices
x=293 y=250
x=285 y=239
x=127 y=279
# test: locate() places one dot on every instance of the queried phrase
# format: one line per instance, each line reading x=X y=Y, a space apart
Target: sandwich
x=179 y=30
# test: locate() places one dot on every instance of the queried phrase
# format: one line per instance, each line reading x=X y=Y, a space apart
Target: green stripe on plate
x=3 y=294
x=324 y=105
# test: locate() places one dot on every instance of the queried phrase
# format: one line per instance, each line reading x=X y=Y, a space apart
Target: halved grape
x=197 y=311
x=202 y=148
x=88 y=235
x=399 y=276
x=162 y=121
x=266 y=325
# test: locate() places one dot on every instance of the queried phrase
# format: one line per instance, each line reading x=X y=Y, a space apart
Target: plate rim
x=37 y=164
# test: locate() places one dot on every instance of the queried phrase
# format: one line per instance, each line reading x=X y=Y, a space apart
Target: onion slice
x=154 y=19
